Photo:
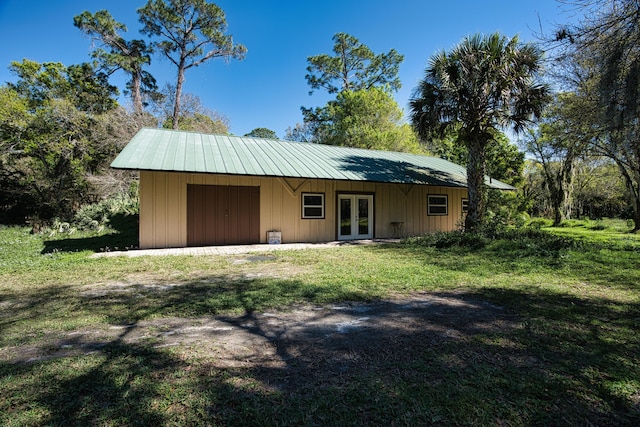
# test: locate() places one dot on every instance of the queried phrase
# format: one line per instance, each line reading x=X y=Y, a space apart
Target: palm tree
x=484 y=84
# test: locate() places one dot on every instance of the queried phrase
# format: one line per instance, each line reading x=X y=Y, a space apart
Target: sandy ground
x=308 y=334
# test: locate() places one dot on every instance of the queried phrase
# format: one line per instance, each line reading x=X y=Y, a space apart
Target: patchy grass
x=568 y=355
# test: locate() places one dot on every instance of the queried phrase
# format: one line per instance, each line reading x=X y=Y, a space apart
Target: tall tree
x=484 y=84
x=191 y=32
x=129 y=56
x=605 y=43
x=557 y=162
x=557 y=144
x=353 y=67
x=364 y=113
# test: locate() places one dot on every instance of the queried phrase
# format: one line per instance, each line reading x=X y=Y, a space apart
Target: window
x=465 y=205
x=313 y=205
x=437 y=204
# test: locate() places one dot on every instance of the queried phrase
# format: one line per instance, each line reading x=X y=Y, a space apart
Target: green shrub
x=539 y=238
x=511 y=243
x=598 y=226
x=443 y=240
x=571 y=223
x=97 y=216
x=539 y=223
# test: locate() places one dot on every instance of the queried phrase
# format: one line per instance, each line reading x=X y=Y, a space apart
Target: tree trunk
x=475 y=182
x=557 y=215
x=636 y=216
x=566 y=183
x=567 y=205
x=136 y=95
x=176 y=104
x=634 y=193
x=632 y=181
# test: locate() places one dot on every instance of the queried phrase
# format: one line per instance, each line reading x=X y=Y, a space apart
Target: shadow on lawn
x=440 y=358
x=124 y=235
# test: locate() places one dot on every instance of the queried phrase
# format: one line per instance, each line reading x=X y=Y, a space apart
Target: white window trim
x=464 y=200
x=321 y=206
x=439 y=205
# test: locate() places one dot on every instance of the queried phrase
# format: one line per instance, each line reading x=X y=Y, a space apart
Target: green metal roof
x=179 y=151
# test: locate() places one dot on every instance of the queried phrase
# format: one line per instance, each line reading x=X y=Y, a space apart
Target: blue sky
x=268 y=88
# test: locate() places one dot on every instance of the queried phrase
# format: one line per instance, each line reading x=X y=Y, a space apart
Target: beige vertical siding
x=163 y=207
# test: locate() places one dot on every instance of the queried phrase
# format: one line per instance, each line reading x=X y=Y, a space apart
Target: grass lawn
x=558 y=342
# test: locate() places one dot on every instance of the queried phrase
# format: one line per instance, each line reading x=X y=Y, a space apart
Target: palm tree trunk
x=475 y=182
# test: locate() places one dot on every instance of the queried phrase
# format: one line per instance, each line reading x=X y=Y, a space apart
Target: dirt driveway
x=333 y=336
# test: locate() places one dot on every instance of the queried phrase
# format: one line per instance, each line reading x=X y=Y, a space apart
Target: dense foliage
x=365 y=118
x=603 y=51
x=53 y=138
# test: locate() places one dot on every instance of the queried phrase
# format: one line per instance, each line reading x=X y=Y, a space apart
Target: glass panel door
x=345 y=216
x=355 y=217
x=363 y=216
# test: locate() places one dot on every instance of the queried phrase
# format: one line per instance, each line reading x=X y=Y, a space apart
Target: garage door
x=222 y=215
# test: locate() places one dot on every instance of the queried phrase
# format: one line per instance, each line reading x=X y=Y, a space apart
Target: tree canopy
x=482 y=85
x=364 y=113
x=50 y=121
x=129 y=56
x=189 y=33
x=82 y=84
x=262 y=133
x=366 y=118
x=353 y=67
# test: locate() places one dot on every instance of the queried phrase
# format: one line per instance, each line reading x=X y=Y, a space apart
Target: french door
x=355 y=216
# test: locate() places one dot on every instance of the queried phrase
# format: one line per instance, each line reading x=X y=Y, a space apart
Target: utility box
x=274 y=237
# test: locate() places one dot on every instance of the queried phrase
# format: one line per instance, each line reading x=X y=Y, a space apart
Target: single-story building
x=199 y=189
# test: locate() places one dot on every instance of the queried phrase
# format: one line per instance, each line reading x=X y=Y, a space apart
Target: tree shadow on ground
x=433 y=358
x=124 y=235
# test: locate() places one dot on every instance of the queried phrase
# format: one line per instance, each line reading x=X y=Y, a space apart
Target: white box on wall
x=274 y=237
